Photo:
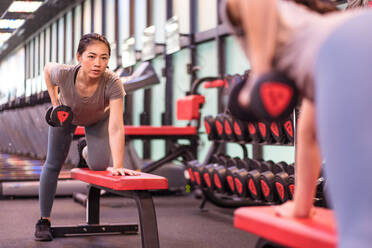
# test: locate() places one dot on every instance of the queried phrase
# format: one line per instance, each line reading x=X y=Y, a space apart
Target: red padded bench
x=136 y=187
x=151 y=131
x=318 y=231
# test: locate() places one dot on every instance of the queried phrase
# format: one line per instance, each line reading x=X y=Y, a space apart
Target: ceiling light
x=11 y=23
x=24 y=6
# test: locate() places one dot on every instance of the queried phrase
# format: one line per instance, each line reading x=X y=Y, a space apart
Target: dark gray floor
x=180 y=224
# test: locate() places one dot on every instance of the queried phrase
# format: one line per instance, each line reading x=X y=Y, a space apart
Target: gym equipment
x=289 y=130
x=284 y=183
x=254 y=179
x=207 y=175
x=218 y=174
x=240 y=177
x=268 y=181
x=254 y=133
x=234 y=106
x=190 y=106
x=210 y=127
x=317 y=231
x=189 y=166
x=220 y=120
x=277 y=132
x=241 y=130
x=136 y=187
x=229 y=128
x=59 y=116
x=142 y=78
x=203 y=172
x=31 y=188
x=219 y=179
x=273 y=97
x=264 y=130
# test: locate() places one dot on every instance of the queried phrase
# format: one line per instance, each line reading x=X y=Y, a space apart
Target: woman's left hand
x=122 y=171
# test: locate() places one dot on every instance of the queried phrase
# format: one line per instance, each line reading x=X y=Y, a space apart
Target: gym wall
x=119 y=19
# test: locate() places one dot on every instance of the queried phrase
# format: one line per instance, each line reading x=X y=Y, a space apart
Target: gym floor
x=180 y=223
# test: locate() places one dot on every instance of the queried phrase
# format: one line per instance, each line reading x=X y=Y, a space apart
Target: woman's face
x=94 y=59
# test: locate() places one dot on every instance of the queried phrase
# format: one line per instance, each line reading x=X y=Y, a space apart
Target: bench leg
x=264 y=243
x=92 y=218
x=92 y=211
x=147 y=216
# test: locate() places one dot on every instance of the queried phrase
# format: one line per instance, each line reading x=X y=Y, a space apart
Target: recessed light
x=24 y=6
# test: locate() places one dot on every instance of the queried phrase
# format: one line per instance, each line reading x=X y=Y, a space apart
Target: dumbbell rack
x=219 y=138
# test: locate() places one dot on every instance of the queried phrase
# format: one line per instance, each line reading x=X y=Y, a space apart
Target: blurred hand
x=245 y=93
x=288 y=209
x=122 y=172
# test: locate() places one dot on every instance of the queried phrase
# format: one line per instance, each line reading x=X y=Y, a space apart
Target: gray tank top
x=87 y=110
x=300 y=35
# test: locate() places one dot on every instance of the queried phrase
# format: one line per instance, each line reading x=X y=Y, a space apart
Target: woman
x=329 y=57
x=95 y=96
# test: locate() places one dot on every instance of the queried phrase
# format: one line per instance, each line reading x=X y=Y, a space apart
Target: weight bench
x=318 y=231
x=136 y=187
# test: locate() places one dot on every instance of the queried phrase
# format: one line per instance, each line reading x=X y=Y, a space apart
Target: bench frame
x=146 y=213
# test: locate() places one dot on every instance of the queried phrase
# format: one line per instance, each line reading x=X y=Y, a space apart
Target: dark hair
x=87 y=39
x=320 y=6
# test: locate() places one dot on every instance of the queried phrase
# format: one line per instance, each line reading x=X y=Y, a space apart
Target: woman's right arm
x=259 y=21
x=52 y=89
x=258 y=18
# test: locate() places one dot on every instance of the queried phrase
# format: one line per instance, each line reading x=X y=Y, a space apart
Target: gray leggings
x=344 y=120
x=59 y=141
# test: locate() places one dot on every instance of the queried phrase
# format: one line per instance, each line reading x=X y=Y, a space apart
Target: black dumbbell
x=230 y=172
x=59 y=116
x=241 y=179
x=207 y=175
x=291 y=169
x=219 y=174
x=197 y=170
x=268 y=181
x=277 y=132
x=284 y=183
x=219 y=179
x=219 y=120
x=241 y=130
x=264 y=130
x=289 y=130
x=229 y=128
x=254 y=186
x=291 y=186
x=220 y=158
x=210 y=127
x=254 y=133
x=273 y=97
x=189 y=166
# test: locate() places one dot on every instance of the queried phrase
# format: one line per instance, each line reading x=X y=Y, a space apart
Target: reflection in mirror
x=172 y=36
x=148 y=46
x=128 y=55
x=143 y=77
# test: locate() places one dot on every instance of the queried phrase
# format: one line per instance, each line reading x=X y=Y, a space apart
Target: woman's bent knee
x=98 y=166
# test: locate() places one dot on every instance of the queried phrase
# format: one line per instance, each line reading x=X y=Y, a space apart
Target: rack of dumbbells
x=233 y=181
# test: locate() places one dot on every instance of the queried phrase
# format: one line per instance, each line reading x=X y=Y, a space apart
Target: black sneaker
x=80 y=146
x=42 y=230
